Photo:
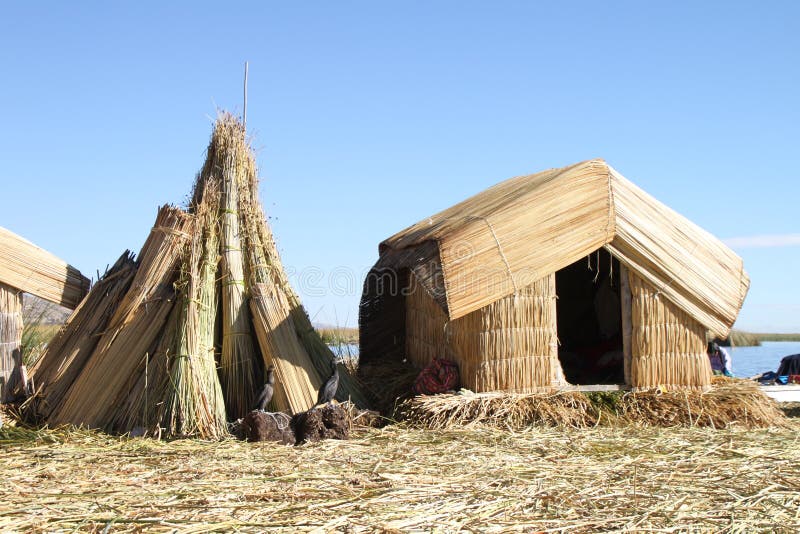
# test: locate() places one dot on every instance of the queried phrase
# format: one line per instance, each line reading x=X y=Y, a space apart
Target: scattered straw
x=398 y=480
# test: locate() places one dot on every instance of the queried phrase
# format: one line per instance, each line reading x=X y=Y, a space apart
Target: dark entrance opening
x=589 y=320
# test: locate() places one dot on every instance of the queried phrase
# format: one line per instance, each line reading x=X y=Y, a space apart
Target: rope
x=200 y=303
x=611 y=268
x=500 y=250
x=172 y=231
x=284 y=422
x=236 y=334
x=663 y=286
x=609 y=224
x=611 y=208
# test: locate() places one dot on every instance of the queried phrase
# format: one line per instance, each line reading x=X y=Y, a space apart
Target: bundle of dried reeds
x=501 y=410
x=33 y=270
x=194 y=403
x=728 y=402
x=140 y=409
x=230 y=162
x=134 y=329
x=734 y=402
x=69 y=350
x=208 y=416
x=177 y=392
x=263 y=266
x=298 y=381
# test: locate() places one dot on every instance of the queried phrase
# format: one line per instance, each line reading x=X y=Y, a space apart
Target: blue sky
x=368 y=116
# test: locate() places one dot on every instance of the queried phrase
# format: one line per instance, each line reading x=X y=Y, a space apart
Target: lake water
x=751 y=361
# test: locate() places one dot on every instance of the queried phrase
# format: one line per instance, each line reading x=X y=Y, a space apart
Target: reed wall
x=10 y=338
x=509 y=345
x=668 y=347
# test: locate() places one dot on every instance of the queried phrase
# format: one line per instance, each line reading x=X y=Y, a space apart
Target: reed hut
x=571 y=276
x=175 y=342
x=26 y=268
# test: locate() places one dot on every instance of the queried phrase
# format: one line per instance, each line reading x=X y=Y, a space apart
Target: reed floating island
x=175 y=342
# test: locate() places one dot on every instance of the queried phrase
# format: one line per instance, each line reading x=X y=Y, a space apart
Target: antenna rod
x=244 y=111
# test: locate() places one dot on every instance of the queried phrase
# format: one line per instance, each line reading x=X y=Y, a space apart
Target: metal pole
x=244 y=111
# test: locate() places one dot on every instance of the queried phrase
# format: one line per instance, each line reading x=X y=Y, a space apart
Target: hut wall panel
x=668 y=346
x=10 y=338
x=425 y=324
x=627 y=328
x=382 y=310
x=509 y=345
x=25 y=266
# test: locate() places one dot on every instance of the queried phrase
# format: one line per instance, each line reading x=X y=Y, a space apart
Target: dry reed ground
x=399 y=479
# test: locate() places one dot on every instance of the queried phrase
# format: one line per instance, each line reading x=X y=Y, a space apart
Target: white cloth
x=726 y=359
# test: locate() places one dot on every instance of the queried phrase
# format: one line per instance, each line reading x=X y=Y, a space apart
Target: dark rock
x=265 y=426
x=322 y=422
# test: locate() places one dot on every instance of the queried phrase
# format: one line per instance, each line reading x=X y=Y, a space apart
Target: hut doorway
x=589 y=319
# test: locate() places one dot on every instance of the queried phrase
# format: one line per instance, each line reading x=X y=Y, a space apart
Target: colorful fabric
x=721 y=361
x=439 y=376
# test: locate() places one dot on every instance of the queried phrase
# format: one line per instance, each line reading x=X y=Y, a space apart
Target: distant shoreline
x=739 y=338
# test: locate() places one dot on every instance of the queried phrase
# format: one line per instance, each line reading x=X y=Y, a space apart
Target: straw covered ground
x=399 y=479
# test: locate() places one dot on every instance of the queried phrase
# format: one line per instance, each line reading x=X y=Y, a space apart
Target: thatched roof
x=516 y=232
x=33 y=270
